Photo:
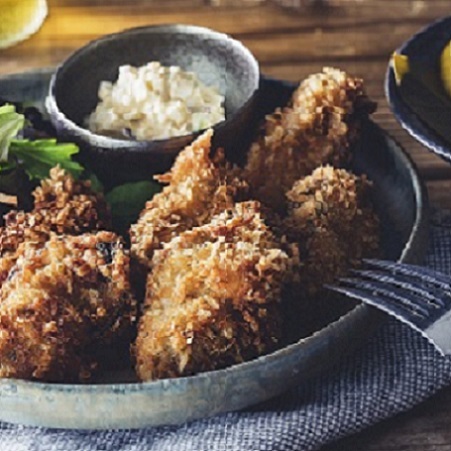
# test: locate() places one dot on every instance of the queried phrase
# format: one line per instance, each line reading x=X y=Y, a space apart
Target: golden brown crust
x=331 y=217
x=213 y=296
x=62 y=303
x=198 y=188
x=20 y=227
x=70 y=206
x=62 y=205
x=316 y=128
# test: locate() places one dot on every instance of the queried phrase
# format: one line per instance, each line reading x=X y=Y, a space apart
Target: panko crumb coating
x=213 y=297
x=318 y=127
x=71 y=206
x=198 y=188
x=62 y=303
x=61 y=205
x=331 y=217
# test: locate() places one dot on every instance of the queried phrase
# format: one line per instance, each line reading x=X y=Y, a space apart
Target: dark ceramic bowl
x=216 y=58
x=425 y=46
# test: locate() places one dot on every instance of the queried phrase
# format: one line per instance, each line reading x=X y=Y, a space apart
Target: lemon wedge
x=445 y=68
x=400 y=66
x=20 y=19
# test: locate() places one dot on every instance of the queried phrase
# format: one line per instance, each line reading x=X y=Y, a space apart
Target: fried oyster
x=331 y=217
x=198 y=188
x=61 y=205
x=213 y=296
x=62 y=304
x=318 y=127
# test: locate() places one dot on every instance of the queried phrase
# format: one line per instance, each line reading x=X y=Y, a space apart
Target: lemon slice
x=400 y=66
x=20 y=19
x=445 y=68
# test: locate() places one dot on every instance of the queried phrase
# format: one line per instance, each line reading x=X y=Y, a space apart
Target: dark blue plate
x=426 y=45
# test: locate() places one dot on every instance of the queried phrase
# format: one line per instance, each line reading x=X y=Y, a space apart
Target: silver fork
x=418 y=296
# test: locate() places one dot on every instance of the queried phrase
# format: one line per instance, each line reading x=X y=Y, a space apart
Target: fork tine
x=375 y=301
x=394 y=310
x=425 y=274
x=392 y=298
x=418 y=296
x=409 y=283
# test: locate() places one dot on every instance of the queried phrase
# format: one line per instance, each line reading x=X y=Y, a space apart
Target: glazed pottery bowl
x=216 y=58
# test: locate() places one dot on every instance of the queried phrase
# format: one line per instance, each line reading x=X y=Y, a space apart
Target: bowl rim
x=98 y=140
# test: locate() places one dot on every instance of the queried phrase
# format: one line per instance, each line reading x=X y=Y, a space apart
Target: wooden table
x=357 y=36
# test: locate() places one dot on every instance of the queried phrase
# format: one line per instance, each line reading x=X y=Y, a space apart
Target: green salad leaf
x=11 y=123
x=38 y=157
x=127 y=201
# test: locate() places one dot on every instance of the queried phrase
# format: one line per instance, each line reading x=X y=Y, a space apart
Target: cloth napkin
x=393 y=370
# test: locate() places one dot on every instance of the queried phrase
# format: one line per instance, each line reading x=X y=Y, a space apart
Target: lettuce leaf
x=127 y=201
x=38 y=157
x=10 y=125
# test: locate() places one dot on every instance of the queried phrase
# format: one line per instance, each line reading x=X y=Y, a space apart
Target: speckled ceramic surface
x=426 y=45
x=402 y=205
x=216 y=58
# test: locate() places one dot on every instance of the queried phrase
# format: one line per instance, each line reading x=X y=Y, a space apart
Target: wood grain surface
x=290 y=43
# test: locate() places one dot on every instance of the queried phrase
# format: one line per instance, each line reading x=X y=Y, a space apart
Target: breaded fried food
x=70 y=206
x=317 y=128
x=20 y=227
x=198 y=188
x=213 y=296
x=331 y=217
x=62 y=303
x=61 y=205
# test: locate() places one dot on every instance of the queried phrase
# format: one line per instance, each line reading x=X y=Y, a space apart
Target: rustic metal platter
x=401 y=202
